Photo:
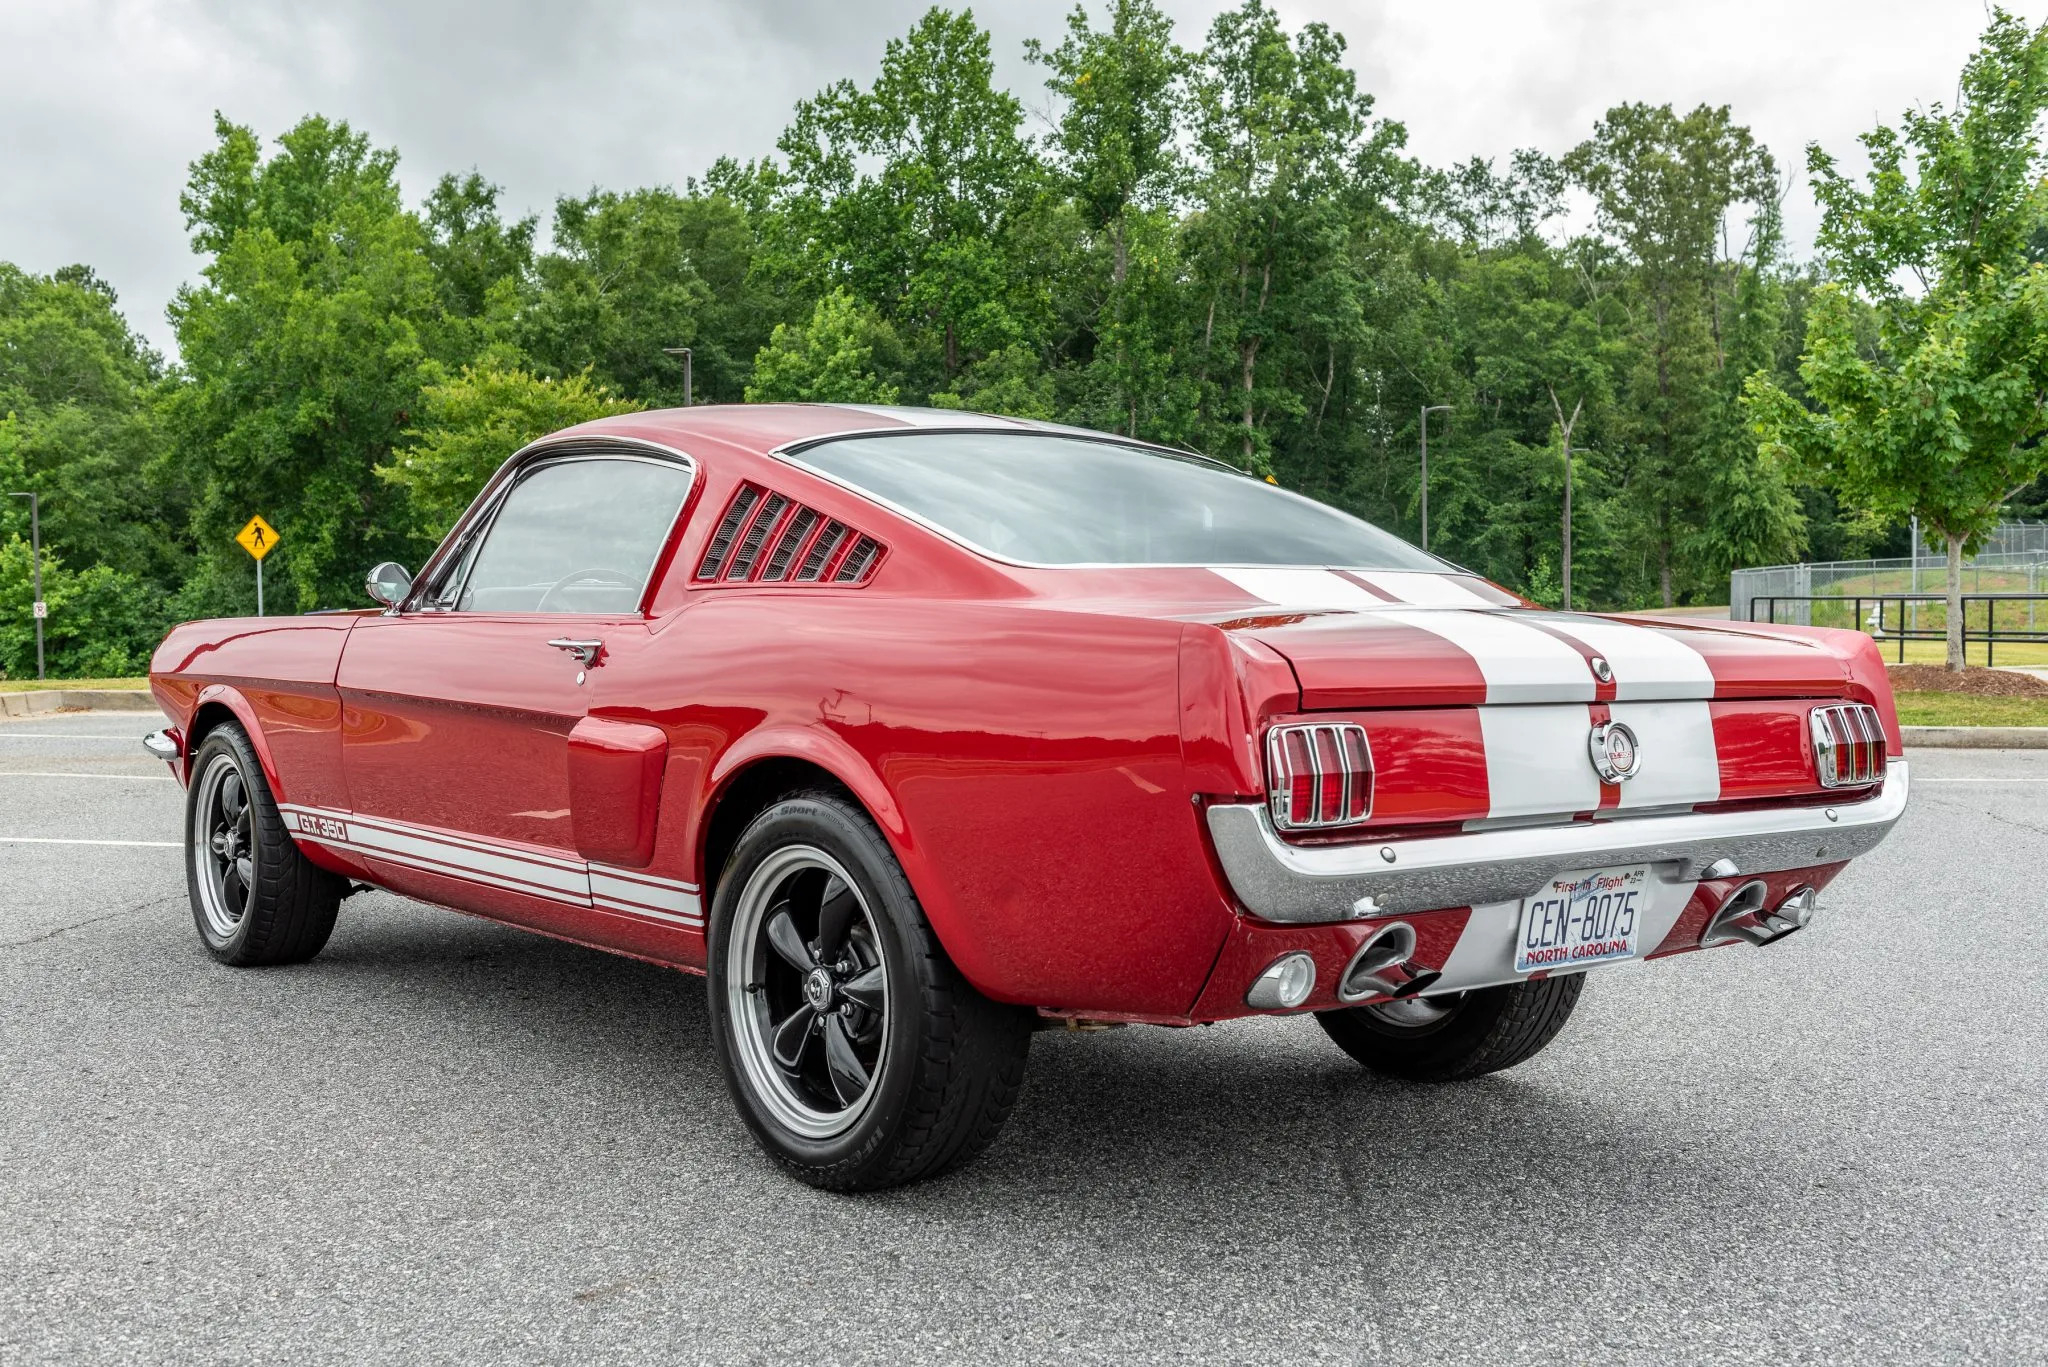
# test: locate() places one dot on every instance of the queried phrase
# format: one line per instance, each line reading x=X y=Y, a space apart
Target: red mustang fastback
x=917 y=731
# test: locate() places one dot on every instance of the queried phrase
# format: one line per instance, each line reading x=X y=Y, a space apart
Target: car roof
x=766 y=427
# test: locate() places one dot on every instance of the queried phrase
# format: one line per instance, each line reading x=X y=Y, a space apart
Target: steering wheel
x=591 y=576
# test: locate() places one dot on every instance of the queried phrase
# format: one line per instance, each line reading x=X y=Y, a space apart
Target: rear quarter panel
x=1024 y=763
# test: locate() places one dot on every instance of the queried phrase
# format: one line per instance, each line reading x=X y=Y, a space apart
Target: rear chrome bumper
x=166 y=745
x=1283 y=882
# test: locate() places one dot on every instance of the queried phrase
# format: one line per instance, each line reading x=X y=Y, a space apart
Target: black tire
x=1480 y=1032
x=943 y=1064
x=284 y=911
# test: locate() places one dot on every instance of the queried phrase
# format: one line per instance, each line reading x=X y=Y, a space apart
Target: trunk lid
x=1398 y=657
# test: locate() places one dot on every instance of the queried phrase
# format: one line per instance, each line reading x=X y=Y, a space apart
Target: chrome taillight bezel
x=1849 y=749
x=1353 y=774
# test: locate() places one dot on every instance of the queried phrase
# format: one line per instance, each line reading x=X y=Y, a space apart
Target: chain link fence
x=2013 y=559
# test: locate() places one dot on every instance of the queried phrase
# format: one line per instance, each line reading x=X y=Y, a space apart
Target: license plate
x=1581 y=919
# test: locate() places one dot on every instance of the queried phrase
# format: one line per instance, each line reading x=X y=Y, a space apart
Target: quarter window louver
x=787 y=544
x=857 y=561
x=822 y=550
x=729 y=526
x=757 y=532
x=766 y=537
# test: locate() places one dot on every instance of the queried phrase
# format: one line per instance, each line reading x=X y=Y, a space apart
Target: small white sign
x=42 y=608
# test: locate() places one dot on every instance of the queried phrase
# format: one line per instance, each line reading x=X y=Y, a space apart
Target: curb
x=1976 y=737
x=56 y=699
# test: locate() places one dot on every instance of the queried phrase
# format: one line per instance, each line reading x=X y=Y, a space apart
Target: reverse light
x=1848 y=745
x=1318 y=775
x=1284 y=985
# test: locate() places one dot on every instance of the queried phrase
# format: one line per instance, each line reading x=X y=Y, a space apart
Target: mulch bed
x=1984 y=683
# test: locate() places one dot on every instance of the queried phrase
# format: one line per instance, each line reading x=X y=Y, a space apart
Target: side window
x=577 y=535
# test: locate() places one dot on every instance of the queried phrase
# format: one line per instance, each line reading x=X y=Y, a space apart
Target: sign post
x=35 y=569
x=259 y=539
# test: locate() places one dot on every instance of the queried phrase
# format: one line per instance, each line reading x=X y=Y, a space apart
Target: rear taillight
x=1848 y=745
x=1318 y=775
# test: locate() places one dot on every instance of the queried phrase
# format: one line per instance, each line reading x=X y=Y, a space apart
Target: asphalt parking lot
x=446 y=1141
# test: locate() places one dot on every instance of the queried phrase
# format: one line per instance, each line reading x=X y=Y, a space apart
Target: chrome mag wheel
x=223 y=849
x=807 y=991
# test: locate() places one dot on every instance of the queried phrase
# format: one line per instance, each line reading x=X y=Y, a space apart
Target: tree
x=470 y=423
x=305 y=347
x=1117 y=159
x=1288 y=148
x=633 y=273
x=907 y=194
x=830 y=359
x=1943 y=417
x=1663 y=187
x=78 y=426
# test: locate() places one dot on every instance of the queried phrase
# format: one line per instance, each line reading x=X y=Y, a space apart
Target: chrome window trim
x=789 y=452
x=1302 y=883
x=482 y=513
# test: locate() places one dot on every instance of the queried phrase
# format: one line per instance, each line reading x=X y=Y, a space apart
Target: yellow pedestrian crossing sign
x=259 y=538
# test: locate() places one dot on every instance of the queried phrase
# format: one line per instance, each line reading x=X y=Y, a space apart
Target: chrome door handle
x=584 y=651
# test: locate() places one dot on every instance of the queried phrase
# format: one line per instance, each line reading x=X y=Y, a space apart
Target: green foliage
x=78 y=426
x=102 y=622
x=1943 y=417
x=471 y=423
x=908 y=195
x=1222 y=248
x=830 y=359
x=305 y=348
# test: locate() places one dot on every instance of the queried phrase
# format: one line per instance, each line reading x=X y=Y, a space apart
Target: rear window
x=1047 y=499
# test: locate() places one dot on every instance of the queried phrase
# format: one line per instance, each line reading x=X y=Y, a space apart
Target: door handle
x=584 y=651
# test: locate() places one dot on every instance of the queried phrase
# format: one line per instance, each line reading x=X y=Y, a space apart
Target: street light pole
x=683 y=352
x=1432 y=408
x=35 y=568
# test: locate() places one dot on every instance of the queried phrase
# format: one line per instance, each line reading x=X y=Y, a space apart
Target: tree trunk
x=1957 y=661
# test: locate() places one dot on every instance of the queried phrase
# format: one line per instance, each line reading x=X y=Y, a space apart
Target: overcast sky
x=103 y=103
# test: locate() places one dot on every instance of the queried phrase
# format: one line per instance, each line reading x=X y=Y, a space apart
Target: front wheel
x=255 y=898
x=855 y=1051
x=1459 y=1035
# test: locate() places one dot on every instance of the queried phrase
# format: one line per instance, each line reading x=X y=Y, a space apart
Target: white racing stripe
x=1425 y=589
x=1298 y=588
x=1647 y=663
x=557 y=878
x=1677 y=762
x=1536 y=759
x=1518 y=662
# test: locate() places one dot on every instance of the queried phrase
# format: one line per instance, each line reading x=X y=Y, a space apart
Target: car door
x=458 y=709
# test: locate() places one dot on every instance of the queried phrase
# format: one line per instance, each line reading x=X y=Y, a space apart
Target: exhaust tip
x=1384 y=966
x=1742 y=916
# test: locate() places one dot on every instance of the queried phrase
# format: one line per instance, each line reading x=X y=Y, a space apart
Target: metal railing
x=1908 y=625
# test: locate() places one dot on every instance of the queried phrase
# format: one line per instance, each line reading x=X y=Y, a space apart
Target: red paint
x=1036 y=745
x=615 y=771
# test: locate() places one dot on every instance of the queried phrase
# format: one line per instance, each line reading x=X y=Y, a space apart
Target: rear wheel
x=1456 y=1036
x=255 y=898
x=855 y=1051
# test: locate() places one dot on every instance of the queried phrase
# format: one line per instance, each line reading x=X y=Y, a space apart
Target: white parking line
x=44 y=773
x=1918 y=779
x=60 y=840
x=60 y=735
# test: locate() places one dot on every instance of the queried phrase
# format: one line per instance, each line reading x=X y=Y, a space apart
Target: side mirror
x=389 y=583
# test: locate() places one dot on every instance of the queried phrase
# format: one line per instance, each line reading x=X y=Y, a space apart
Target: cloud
x=107 y=101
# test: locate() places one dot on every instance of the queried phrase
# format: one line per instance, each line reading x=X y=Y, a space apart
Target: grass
x=43 y=685
x=1965 y=709
x=2034 y=654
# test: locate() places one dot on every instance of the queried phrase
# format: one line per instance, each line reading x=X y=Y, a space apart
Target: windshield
x=1053 y=500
